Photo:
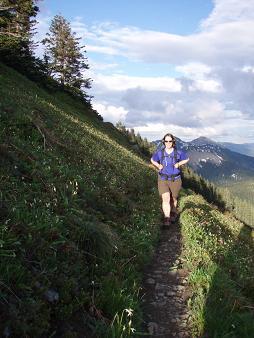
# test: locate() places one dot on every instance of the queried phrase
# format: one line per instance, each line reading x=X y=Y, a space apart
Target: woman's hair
x=173 y=139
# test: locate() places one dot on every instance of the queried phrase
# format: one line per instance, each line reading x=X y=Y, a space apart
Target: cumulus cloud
x=229 y=11
x=98 y=66
x=226 y=33
x=239 y=88
x=217 y=81
x=212 y=95
x=119 y=82
x=155 y=131
x=219 y=132
x=109 y=112
x=194 y=70
x=228 y=42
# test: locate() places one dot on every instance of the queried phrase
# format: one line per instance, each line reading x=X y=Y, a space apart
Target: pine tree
x=120 y=126
x=65 y=57
x=17 y=28
x=132 y=136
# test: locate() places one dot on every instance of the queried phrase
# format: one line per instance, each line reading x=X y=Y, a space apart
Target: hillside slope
x=77 y=205
x=218 y=253
x=79 y=217
x=216 y=163
x=245 y=148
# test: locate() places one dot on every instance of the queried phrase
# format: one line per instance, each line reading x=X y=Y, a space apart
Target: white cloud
x=214 y=95
x=229 y=11
x=222 y=131
x=119 y=82
x=102 y=49
x=230 y=42
x=98 y=66
x=194 y=70
x=156 y=131
x=110 y=113
x=206 y=86
x=248 y=69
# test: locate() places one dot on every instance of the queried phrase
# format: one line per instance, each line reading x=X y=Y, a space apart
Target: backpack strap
x=176 y=160
x=163 y=155
x=175 y=155
x=172 y=177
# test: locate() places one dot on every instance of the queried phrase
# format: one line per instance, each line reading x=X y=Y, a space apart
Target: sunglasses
x=168 y=141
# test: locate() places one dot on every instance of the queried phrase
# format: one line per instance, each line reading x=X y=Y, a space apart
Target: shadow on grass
x=229 y=303
x=229 y=307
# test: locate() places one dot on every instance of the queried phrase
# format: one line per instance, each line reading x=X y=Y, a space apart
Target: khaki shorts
x=172 y=187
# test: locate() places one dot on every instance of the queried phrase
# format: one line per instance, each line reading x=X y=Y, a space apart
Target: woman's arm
x=178 y=164
x=157 y=164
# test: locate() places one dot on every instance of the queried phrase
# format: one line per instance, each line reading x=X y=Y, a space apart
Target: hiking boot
x=173 y=216
x=166 y=222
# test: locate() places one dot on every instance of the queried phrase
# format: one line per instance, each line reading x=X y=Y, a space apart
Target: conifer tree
x=65 y=57
x=17 y=28
x=132 y=135
x=120 y=126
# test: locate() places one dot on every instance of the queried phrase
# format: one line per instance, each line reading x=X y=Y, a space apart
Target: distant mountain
x=215 y=162
x=245 y=148
x=201 y=141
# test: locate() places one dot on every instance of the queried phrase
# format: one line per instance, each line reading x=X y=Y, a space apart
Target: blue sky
x=167 y=65
x=172 y=16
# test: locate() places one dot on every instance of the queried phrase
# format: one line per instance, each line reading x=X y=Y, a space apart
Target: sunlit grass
x=78 y=208
x=218 y=252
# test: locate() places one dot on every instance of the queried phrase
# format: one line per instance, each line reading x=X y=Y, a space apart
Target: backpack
x=161 y=148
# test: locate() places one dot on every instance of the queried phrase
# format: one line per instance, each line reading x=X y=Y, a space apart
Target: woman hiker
x=168 y=161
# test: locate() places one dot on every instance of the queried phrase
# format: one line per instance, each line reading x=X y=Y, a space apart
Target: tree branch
x=11 y=34
x=4 y=9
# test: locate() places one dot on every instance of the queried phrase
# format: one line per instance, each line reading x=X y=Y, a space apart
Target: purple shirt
x=168 y=161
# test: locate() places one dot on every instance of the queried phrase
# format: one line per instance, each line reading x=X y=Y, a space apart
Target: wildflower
x=129 y=312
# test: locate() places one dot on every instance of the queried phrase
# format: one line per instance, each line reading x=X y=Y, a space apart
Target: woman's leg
x=166 y=204
x=174 y=208
x=164 y=192
x=175 y=188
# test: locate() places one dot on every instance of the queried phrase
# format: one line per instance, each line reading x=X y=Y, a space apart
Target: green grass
x=218 y=252
x=78 y=216
x=77 y=224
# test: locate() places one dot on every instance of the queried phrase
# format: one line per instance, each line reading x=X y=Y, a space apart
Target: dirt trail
x=165 y=289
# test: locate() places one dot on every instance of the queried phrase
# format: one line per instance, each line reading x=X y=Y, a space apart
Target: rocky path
x=165 y=289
